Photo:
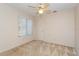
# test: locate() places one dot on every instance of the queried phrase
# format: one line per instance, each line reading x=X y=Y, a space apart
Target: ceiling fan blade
x=50 y=12
x=31 y=6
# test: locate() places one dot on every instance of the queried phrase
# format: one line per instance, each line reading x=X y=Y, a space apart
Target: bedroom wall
x=57 y=28
x=77 y=29
x=9 y=28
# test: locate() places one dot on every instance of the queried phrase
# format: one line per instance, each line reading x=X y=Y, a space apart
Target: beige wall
x=9 y=28
x=57 y=28
x=77 y=29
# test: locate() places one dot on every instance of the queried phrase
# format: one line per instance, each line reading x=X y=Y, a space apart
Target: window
x=29 y=27
x=25 y=26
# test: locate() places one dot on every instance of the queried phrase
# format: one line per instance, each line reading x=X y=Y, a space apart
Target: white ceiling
x=31 y=11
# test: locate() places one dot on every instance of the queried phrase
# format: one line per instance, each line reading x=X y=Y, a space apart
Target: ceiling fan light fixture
x=40 y=11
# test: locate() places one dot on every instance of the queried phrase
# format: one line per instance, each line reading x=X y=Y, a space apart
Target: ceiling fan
x=43 y=9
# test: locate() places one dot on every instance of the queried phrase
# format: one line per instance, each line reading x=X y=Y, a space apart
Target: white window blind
x=25 y=26
x=29 y=27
